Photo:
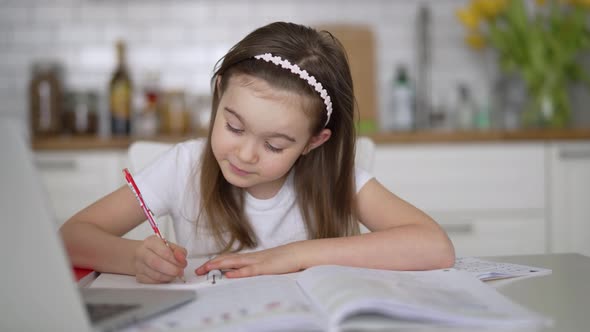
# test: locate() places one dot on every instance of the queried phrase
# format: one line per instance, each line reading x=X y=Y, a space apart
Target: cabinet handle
x=574 y=154
x=56 y=165
x=458 y=228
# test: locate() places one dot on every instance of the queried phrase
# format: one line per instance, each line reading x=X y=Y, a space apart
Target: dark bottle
x=121 y=93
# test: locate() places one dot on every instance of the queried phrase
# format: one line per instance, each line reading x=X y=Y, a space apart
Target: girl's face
x=258 y=134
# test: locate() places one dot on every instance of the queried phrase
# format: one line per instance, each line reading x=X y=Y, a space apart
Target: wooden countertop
x=65 y=143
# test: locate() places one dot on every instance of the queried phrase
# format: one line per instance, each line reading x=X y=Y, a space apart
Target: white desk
x=563 y=295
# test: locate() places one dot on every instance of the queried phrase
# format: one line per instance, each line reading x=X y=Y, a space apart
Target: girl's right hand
x=155 y=263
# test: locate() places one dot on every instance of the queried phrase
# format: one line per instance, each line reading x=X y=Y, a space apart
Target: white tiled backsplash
x=183 y=39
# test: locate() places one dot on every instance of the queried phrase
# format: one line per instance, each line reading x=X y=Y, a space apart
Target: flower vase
x=547 y=108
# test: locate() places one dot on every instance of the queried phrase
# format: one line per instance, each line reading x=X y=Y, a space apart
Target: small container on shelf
x=465 y=109
x=147 y=107
x=80 y=115
x=45 y=98
x=175 y=117
x=200 y=105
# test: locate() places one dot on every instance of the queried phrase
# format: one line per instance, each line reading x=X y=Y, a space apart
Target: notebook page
x=265 y=303
x=444 y=296
x=111 y=280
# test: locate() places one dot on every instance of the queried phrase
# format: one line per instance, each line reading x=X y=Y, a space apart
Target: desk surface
x=564 y=295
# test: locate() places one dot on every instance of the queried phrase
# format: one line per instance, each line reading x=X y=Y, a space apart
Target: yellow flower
x=475 y=40
x=488 y=8
x=469 y=18
x=582 y=3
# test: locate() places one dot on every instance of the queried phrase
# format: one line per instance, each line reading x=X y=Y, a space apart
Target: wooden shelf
x=431 y=137
x=481 y=136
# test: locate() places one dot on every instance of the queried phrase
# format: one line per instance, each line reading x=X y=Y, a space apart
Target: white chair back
x=143 y=153
x=365 y=153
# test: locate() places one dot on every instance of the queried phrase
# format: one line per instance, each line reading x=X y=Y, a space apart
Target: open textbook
x=325 y=297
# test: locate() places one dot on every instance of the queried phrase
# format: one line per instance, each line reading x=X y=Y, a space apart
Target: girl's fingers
x=180 y=256
x=246 y=271
x=176 y=247
x=140 y=278
x=144 y=279
x=158 y=246
x=154 y=262
x=155 y=275
x=225 y=263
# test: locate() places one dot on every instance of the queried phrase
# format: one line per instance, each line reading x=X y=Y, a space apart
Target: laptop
x=37 y=287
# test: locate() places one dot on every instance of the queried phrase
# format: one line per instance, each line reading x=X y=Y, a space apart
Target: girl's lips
x=237 y=170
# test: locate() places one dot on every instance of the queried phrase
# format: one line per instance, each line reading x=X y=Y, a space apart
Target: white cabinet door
x=489 y=196
x=570 y=197
x=497 y=233
x=76 y=179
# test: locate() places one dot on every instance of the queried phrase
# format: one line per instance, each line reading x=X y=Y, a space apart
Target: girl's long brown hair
x=323 y=178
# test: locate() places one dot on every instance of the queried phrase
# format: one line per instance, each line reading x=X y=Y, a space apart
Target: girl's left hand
x=278 y=260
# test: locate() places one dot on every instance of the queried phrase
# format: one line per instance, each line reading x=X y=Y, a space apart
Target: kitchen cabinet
x=493 y=198
x=75 y=179
x=490 y=197
x=570 y=197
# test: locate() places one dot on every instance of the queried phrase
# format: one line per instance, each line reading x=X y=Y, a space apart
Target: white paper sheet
x=489 y=270
x=110 y=280
x=322 y=297
x=265 y=303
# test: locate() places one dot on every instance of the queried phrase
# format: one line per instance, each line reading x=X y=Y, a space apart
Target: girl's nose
x=247 y=152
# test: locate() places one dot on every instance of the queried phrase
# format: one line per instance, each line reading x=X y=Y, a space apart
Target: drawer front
x=75 y=180
x=519 y=233
x=466 y=176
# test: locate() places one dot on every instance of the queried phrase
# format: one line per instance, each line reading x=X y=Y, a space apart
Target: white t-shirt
x=167 y=189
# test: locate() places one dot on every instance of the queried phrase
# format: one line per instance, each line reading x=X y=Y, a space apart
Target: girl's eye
x=232 y=129
x=272 y=148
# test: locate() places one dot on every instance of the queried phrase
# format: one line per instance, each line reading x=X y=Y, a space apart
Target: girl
x=274 y=188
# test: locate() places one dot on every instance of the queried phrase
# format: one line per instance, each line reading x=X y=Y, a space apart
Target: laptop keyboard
x=99 y=311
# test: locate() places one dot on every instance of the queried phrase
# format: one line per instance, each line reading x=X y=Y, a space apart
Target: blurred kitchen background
x=447 y=122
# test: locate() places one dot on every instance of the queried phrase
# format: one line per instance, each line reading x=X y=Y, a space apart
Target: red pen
x=148 y=213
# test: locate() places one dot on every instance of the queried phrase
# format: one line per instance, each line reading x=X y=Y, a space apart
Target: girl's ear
x=317 y=140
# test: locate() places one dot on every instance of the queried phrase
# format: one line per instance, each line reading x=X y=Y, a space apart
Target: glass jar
x=175 y=119
x=147 y=106
x=81 y=113
x=200 y=108
x=45 y=98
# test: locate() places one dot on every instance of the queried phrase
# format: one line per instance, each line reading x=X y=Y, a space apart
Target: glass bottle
x=121 y=93
x=403 y=102
x=465 y=109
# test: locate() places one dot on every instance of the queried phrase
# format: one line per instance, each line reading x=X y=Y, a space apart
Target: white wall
x=183 y=39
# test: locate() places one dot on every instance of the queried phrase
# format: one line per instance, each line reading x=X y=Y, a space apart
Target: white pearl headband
x=317 y=86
